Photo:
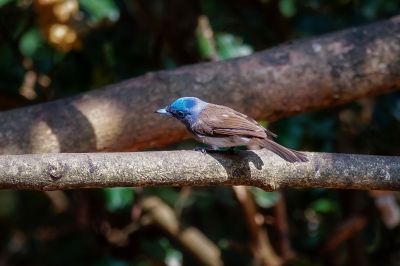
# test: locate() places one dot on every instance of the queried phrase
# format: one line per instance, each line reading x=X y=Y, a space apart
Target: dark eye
x=180 y=114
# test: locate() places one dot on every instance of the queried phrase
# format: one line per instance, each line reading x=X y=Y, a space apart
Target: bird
x=222 y=127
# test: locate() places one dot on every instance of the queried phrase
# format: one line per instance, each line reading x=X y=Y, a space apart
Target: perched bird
x=221 y=127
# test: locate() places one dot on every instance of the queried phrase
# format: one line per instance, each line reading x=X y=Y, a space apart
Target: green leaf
x=288 y=8
x=205 y=46
x=30 y=42
x=4 y=2
x=205 y=39
x=118 y=198
x=325 y=206
x=265 y=199
x=230 y=46
x=99 y=10
x=173 y=257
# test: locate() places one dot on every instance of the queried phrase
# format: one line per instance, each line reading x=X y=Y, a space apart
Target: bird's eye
x=180 y=114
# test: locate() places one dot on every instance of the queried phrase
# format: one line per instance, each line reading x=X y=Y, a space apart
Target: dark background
x=53 y=50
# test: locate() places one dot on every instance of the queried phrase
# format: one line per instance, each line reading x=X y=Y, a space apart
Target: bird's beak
x=163 y=111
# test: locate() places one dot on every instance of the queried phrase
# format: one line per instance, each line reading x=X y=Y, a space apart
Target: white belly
x=231 y=141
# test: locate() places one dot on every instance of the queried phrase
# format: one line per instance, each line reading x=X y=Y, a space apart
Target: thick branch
x=190 y=168
x=289 y=79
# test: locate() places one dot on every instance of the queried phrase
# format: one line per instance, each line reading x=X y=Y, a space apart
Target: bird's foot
x=229 y=150
x=205 y=150
x=201 y=149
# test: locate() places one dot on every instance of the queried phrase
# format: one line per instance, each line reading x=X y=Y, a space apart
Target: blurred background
x=51 y=49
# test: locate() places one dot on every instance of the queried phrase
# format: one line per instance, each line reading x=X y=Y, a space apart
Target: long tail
x=287 y=154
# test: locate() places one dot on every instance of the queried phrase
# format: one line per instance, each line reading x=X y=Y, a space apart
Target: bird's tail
x=287 y=154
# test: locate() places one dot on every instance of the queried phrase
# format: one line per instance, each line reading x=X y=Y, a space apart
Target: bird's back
x=221 y=121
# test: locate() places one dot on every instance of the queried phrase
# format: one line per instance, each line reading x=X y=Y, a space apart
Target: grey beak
x=163 y=111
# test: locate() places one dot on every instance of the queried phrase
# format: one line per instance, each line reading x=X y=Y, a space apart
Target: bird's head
x=186 y=109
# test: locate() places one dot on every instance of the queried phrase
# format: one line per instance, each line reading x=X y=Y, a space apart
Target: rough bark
x=278 y=82
x=190 y=168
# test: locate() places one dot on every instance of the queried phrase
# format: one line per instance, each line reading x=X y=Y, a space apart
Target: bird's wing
x=221 y=121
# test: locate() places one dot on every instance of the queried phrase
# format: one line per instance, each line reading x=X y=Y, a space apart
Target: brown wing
x=219 y=121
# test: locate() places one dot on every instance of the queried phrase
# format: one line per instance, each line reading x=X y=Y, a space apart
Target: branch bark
x=190 y=168
x=289 y=79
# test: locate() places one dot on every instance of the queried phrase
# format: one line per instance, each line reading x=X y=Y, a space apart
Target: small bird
x=222 y=127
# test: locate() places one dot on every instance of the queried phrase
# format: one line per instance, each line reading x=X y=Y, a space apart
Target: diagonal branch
x=190 y=168
x=292 y=78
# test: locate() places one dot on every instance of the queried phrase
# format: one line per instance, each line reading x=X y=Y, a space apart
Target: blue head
x=186 y=109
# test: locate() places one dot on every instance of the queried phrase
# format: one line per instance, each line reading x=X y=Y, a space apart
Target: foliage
x=53 y=49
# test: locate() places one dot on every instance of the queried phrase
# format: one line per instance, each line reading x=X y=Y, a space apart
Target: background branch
x=190 y=238
x=292 y=78
x=260 y=243
x=190 y=168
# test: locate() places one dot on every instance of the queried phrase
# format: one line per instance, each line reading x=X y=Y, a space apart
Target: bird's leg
x=207 y=149
x=201 y=149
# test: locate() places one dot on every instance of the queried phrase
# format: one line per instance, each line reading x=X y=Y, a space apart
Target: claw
x=201 y=149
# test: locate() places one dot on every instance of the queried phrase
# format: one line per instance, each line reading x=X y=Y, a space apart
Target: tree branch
x=190 y=168
x=260 y=243
x=292 y=78
x=190 y=238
